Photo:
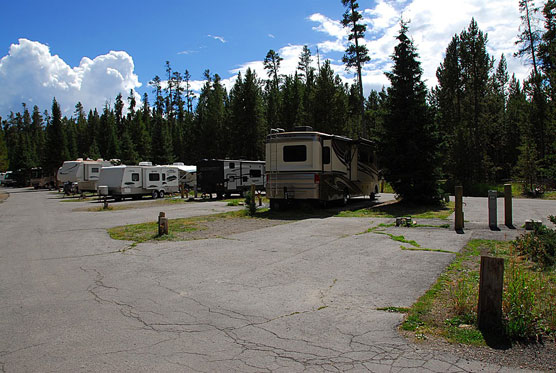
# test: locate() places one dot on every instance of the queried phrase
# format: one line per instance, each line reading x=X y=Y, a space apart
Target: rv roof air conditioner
x=303 y=128
x=277 y=130
x=145 y=163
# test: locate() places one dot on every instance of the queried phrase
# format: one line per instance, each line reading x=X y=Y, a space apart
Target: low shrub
x=539 y=245
x=250 y=204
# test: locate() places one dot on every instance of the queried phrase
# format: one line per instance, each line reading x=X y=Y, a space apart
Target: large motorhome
x=40 y=179
x=83 y=172
x=137 y=181
x=310 y=165
x=226 y=176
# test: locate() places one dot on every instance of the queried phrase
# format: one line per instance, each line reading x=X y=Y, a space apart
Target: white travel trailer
x=310 y=165
x=137 y=181
x=227 y=176
x=187 y=175
x=83 y=172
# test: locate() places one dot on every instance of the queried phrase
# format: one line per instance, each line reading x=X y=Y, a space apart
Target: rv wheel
x=161 y=194
x=154 y=194
x=346 y=198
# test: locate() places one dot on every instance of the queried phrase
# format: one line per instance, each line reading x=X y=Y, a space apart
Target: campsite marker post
x=162 y=224
x=508 y=205
x=458 y=224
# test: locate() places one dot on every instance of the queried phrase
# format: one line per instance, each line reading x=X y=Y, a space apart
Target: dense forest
x=478 y=125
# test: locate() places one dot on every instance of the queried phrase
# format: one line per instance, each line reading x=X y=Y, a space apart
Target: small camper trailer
x=310 y=165
x=83 y=172
x=226 y=176
x=137 y=181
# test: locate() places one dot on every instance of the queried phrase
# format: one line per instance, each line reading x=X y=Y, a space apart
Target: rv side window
x=232 y=165
x=94 y=170
x=295 y=153
x=154 y=177
x=326 y=155
x=255 y=173
x=163 y=177
x=134 y=177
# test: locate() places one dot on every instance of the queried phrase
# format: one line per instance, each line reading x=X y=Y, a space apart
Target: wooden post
x=162 y=224
x=105 y=202
x=382 y=186
x=458 y=224
x=182 y=191
x=508 y=205
x=491 y=283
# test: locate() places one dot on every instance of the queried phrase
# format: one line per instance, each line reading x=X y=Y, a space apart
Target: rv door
x=232 y=175
x=92 y=171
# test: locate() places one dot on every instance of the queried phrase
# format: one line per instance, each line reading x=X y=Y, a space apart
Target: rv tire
x=154 y=194
x=346 y=198
x=161 y=194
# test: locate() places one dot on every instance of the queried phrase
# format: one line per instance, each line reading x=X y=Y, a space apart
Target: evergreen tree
x=272 y=92
x=56 y=148
x=409 y=142
x=357 y=53
x=330 y=102
x=247 y=126
x=4 y=161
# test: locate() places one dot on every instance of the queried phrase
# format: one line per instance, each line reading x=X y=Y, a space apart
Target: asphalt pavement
x=301 y=296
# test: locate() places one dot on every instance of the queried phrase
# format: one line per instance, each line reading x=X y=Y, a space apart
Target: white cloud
x=433 y=24
x=30 y=74
x=219 y=38
x=271 y=36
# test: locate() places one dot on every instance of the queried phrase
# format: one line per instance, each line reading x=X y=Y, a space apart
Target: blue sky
x=223 y=36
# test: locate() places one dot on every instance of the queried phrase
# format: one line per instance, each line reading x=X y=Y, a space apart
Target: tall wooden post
x=458 y=224
x=508 y=205
x=491 y=284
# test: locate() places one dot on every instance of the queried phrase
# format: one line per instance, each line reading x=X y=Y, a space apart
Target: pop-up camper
x=137 y=181
x=83 y=172
x=310 y=165
x=226 y=176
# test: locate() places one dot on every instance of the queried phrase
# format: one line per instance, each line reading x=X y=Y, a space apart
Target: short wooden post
x=105 y=206
x=491 y=284
x=162 y=224
x=182 y=192
x=458 y=224
x=508 y=205
x=260 y=195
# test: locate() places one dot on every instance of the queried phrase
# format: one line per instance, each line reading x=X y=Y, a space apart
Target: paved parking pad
x=301 y=296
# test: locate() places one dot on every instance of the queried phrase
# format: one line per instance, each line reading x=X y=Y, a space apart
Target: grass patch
x=394 y=309
x=117 y=206
x=178 y=228
x=393 y=210
x=549 y=195
x=234 y=202
x=425 y=249
x=449 y=308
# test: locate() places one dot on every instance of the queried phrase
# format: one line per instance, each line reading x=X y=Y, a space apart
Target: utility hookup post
x=508 y=205
x=458 y=224
x=492 y=209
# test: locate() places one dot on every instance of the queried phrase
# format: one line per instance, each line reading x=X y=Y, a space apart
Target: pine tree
x=357 y=53
x=56 y=148
x=272 y=92
x=246 y=124
x=409 y=140
x=4 y=161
